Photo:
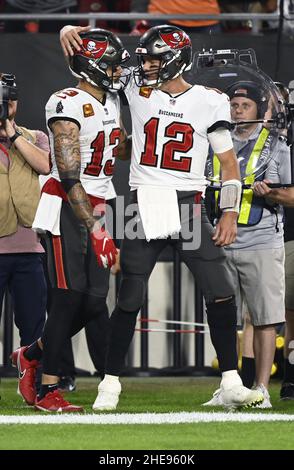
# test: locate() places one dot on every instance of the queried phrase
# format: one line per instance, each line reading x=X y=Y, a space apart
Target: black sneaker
x=67 y=384
x=287 y=391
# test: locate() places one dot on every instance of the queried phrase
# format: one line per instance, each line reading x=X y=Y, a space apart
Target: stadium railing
x=255 y=18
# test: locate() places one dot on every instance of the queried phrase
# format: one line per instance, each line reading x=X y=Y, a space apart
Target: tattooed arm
x=68 y=160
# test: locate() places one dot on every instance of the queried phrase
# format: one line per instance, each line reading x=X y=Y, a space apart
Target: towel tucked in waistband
x=159 y=211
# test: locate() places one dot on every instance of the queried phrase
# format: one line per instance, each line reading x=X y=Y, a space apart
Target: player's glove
x=104 y=248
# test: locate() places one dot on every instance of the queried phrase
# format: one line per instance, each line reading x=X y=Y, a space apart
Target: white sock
x=230 y=378
x=111 y=378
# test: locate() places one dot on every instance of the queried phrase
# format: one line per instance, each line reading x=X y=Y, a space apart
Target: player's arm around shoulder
x=70 y=38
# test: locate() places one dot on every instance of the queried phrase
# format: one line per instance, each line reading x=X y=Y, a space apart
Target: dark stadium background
x=40 y=68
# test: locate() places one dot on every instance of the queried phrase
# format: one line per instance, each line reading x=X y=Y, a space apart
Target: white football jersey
x=170 y=135
x=99 y=134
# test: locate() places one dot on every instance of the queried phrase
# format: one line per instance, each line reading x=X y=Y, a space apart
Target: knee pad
x=222 y=314
x=132 y=294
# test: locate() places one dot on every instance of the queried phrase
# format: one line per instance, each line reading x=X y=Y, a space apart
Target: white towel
x=159 y=211
x=47 y=217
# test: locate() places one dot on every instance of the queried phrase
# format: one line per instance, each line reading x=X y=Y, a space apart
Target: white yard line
x=144 y=418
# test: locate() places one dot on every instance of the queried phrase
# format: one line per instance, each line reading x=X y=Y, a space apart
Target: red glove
x=104 y=248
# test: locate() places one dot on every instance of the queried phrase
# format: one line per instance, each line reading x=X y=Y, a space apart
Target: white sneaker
x=266 y=397
x=108 y=395
x=239 y=396
x=216 y=399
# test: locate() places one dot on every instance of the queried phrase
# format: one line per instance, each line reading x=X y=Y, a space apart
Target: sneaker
x=26 y=375
x=67 y=384
x=54 y=402
x=108 y=396
x=287 y=391
x=236 y=397
x=266 y=397
x=241 y=397
x=216 y=399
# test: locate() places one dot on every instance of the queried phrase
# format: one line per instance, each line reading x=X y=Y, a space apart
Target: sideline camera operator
x=24 y=154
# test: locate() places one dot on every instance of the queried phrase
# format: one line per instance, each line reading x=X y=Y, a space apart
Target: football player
x=173 y=124
x=86 y=135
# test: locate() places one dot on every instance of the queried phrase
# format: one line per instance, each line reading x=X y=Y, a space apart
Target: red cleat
x=26 y=375
x=54 y=402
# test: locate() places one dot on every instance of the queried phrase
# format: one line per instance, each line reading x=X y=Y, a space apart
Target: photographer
x=24 y=154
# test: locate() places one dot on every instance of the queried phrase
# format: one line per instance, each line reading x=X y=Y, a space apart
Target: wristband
x=15 y=136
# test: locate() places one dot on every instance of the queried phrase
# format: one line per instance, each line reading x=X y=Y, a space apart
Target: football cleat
x=239 y=396
x=266 y=397
x=108 y=396
x=236 y=397
x=26 y=375
x=53 y=402
x=216 y=399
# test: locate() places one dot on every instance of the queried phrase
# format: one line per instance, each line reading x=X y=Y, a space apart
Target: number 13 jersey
x=99 y=135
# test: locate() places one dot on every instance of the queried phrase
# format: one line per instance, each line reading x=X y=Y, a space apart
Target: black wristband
x=68 y=183
x=15 y=136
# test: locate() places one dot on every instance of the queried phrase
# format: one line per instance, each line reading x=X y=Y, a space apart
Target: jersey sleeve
x=220 y=115
x=62 y=106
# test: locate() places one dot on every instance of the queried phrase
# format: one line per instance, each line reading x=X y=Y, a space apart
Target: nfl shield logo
x=172 y=101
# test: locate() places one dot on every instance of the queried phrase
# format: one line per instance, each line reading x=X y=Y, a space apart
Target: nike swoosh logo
x=21 y=373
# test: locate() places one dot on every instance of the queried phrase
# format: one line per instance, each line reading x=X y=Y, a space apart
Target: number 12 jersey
x=170 y=135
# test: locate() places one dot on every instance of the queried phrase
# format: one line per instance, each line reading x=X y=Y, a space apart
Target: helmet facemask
x=170 y=67
x=105 y=76
x=171 y=46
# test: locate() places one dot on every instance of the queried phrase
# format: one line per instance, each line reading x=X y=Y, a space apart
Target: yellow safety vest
x=250 y=214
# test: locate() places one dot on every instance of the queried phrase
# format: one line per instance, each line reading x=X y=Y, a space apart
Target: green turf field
x=147 y=395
